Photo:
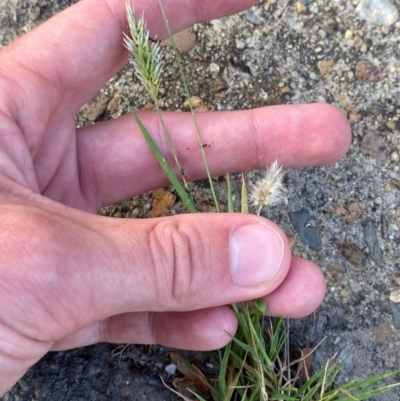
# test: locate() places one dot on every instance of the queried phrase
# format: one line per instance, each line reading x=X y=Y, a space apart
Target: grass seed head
x=145 y=56
x=269 y=191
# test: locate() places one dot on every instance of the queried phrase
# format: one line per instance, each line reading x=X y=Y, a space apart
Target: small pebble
x=394 y=157
x=395 y=296
x=171 y=369
x=354 y=286
x=348 y=34
x=240 y=44
x=366 y=71
x=391 y=125
x=363 y=48
x=300 y=7
x=214 y=68
x=385 y=30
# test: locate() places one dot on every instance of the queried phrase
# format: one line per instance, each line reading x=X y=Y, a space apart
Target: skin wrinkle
x=184 y=264
x=32 y=127
x=28 y=329
x=89 y=182
x=66 y=163
x=159 y=257
x=30 y=290
x=88 y=188
x=10 y=171
x=12 y=141
x=38 y=147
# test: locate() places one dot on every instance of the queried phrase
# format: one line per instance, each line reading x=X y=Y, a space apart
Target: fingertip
x=337 y=133
x=318 y=134
x=300 y=294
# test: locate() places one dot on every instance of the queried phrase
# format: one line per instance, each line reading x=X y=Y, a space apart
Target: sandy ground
x=347 y=215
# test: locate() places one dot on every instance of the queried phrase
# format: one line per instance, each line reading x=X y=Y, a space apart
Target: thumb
x=72 y=269
x=191 y=262
x=75 y=268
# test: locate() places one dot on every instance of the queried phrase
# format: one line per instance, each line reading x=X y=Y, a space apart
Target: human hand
x=69 y=277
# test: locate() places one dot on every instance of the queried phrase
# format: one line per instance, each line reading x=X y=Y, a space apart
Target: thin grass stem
x=186 y=88
x=170 y=144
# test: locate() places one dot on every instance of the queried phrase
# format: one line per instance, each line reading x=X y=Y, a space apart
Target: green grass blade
x=223 y=368
x=243 y=345
x=361 y=389
x=186 y=199
x=200 y=398
x=260 y=306
x=245 y=197
x=279 y=396
x=229 y=194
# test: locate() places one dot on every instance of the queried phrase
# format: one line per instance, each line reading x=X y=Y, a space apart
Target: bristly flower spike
x=145 y=55
x=269 y=191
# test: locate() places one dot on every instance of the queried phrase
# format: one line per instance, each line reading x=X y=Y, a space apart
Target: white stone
x=394 y=157
x=171 y=369
x=380 y=12
x=395 y=296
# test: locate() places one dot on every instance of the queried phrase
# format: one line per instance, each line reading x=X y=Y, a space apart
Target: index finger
x=80 y=49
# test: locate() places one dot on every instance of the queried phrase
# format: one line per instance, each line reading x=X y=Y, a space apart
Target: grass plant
x=251 y=368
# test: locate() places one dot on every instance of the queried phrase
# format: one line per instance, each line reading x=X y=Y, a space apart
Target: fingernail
x=256 y=253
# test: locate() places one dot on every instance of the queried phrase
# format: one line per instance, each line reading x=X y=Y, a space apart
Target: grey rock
x=395 y=307
x=301 y=221
x=250 y=16
x=306 y=2
x=371 y=240
x=355 y=286
x=380 y=12
x=322 y=324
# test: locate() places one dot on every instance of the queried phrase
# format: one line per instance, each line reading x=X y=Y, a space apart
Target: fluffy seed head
x=269 y=191
x=145 y=56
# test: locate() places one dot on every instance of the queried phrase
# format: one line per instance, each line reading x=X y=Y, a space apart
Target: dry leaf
x=190 y=380
x=182 y=386
x=304 y=367
x=163 y=200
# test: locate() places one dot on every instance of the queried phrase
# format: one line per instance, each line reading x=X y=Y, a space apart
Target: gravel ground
x=347 y=216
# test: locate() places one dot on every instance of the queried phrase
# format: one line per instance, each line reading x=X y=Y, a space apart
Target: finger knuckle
x=179 y=260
